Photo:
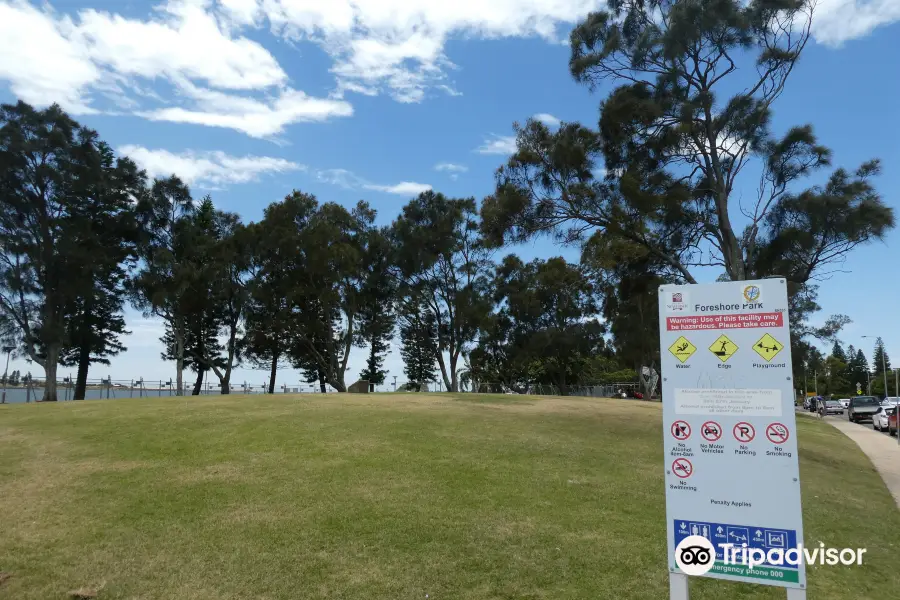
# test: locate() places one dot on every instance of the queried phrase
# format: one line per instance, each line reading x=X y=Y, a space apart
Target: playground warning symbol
x=681 y=430
x=768 y=347
x=744 y=432
x=711 y=431
x=777 y=433
x=682 y=467
x=723 y=348
x=682 y=349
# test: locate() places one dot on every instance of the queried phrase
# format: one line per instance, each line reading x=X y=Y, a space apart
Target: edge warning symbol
x=723 y=348
x=682 y=349
x=744 y=432
x=682 y=468
x=768 y=347
x=681 y=430
x=711 y=431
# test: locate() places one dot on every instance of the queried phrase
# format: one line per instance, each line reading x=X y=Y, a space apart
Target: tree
x=418 y=341
x=56 y=177
x=838 y=352
x=106 y=249
x=327 y=281
x=218 y=264
x=835 y=380
x=628 y=279
x=880 y=359
x=552 y=309
x=859 y=371
x=162 y=285
x=441 y=259
x=274 y=260
x=674 y=144
x=377 y=314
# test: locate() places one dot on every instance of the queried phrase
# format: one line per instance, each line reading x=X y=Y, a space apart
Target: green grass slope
x=384 y=496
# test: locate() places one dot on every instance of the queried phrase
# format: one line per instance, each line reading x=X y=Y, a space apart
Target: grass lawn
x=383 y=496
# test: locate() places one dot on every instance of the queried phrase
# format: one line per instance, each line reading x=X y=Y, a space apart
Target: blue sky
x=378 y=99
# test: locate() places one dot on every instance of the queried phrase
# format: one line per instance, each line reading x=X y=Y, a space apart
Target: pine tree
x=880 y=359
x=838 y=352
x=377 y=316
x=418 y=340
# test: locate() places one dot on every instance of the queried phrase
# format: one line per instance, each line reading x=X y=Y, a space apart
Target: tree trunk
x=322 y=382
x=198 y=385
x=272 y=373
x=225 y=383
x=50 y=366
x=440 y=359
x=454 y=382
x=179 y=358
x=84 y=363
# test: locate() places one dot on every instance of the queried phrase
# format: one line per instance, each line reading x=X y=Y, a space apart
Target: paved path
x=881 y=449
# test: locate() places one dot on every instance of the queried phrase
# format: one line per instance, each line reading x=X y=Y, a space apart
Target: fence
x=32 y=390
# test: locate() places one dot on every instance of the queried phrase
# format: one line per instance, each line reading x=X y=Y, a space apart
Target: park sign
x=731 y=468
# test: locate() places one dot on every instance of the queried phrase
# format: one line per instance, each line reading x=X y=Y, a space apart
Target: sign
x=711 y=431
x=768 y=347
x=744 y=432
x=738 y=482
x=723 y=348
x=777 y=433
x=682 y=349
x=681 y=430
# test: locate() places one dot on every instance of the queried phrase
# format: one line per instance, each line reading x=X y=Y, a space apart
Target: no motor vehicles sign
x=727 y=376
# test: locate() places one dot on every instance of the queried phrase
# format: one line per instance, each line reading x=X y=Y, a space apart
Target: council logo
x=752 y=293
x=695 y=555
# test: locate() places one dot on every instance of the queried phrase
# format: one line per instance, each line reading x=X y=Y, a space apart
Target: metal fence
x=33 y=390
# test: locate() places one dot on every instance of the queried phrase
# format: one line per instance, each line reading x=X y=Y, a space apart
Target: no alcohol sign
x=730 y=468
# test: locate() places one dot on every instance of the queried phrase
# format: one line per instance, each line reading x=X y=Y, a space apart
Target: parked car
x=862 y=408
x=891 y=401
x=831 y=407
x=880 y=418
x=845 y=402
x=892 y=422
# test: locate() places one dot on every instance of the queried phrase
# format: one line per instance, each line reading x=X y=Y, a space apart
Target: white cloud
x=214 y=77
x=498 y=144
x=836 y=21
x=404 y=188
x=547 y=119
x=451 y=167
x=256 y=118
x=207 y=169
x=349 y=180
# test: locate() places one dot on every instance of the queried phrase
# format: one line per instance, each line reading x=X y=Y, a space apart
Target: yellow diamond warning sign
x=724 y=348
x=682 y=349
x=768 y=347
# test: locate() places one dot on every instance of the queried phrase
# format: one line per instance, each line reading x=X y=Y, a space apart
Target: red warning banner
x=745 y=321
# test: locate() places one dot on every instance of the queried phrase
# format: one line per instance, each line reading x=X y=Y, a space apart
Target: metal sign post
x=731 y=470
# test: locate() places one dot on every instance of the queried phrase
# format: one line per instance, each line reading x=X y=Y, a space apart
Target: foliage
x=442 y=260
x=673 y=145
x=418 y=341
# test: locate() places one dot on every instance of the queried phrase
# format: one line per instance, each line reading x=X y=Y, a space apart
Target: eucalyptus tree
x=683 y=140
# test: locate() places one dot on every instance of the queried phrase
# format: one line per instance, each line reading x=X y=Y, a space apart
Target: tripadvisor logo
x=696 y=555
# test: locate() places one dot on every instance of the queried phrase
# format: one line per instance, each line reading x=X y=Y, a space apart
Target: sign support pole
x=678 y=587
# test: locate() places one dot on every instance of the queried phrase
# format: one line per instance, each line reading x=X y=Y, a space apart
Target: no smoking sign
x=777 y=433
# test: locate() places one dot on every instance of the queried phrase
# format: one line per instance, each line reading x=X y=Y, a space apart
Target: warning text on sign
x=762 y=403
x=744 y=321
